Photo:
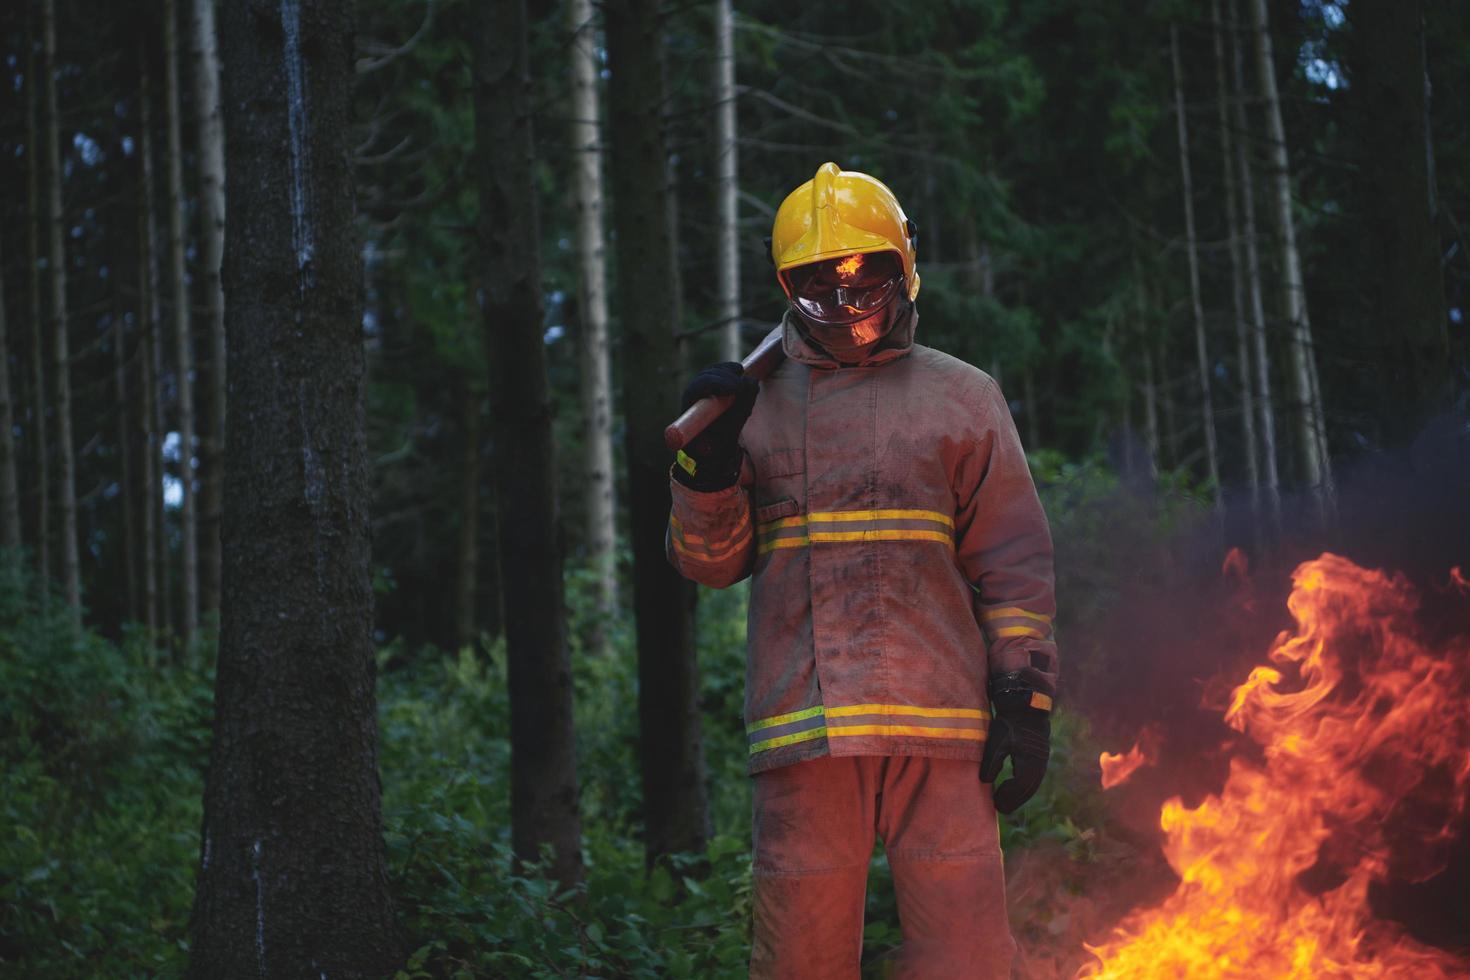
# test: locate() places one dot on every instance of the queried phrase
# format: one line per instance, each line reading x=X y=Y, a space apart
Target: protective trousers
x=814 y=826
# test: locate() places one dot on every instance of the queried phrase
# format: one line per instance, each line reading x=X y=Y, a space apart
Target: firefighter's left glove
x=1021 y=729
x=712 y=459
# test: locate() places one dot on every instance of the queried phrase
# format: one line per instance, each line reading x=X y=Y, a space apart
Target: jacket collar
x=897 y=343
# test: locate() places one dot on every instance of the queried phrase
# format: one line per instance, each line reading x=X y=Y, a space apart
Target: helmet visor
x=847 y=289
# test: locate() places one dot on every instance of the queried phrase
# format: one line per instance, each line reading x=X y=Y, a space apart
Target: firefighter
x=901 y=603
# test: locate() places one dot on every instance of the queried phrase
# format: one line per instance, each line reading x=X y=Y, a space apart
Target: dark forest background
x=1213 y=251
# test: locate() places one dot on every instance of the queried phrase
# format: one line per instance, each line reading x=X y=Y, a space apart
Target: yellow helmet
x=837 y=213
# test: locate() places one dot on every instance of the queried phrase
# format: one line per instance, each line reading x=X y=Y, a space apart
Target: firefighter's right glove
x=712 y=459
x=1021 y=729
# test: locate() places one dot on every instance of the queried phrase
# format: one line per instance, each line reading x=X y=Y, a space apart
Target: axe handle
x=758 y=364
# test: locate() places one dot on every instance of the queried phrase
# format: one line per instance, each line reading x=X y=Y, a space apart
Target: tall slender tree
x=71 y=575
x=1244 y=374
x=1316 y=464
x=40 y=458
x=1202 y=356
x=1252 y=269
x=1399 y=205
x=9 y=490
x=544 y=789
x=675 y=798
x=183 y=350
x=467 y=554
x=727 y=156
x=123 y=406
x=293 y=875
x=211 y=139
x=147 y=431
x=594 y=353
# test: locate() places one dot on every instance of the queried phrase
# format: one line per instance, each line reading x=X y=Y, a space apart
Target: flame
x=849 y=266
x=1458 y=580
x=1117 y=768
x=1360 y=723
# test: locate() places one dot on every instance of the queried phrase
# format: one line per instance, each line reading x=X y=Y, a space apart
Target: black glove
x=715 y=455
x=1021 y=730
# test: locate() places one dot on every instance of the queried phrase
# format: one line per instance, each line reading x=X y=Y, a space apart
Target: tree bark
x=544 y=789
x=293 y=873
x=1316 y=463
x=40 y=458
x=1237 y=277
x=467 y=557
x=1202 y=356
x=1398 y=194
x=727 y=156
x=155 y=546
x=9 y=489
x=211 y=137
x=1262 y=358
x=60 y=357
x=125 y=458
x=184 y=360
x=596 y=360
x=676 y=816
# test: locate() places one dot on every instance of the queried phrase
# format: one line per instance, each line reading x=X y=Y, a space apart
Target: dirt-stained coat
x=898 y=552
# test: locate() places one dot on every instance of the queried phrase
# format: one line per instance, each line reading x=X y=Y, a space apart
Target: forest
x=338 y=339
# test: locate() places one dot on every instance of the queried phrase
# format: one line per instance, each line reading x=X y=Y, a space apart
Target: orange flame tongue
x=1368 y=715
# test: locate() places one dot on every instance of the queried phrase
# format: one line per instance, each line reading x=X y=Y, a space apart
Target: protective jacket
x=898 y=553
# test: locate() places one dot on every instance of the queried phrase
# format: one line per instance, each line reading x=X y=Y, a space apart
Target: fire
x=849 y=266
x=1364 y=732
x=1117 y=768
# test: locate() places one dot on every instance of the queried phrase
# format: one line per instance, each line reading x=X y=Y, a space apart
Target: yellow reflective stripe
x=800 y=542
x=709 y=556
x=882 y=515
x=772 y=743
x=885 y=535
x=1019 y=631
x=967 y=734
x=1039 y=700
x=782 y=522
x=848 y=710
x=785 y=719
x=688 y=538
x=1013 y=612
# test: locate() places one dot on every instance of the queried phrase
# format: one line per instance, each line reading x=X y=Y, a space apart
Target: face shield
x=846 y=302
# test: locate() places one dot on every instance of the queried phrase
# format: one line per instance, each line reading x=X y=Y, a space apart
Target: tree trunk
x=676 y=816
x=211 y=246
x=1237 y=278
x=184 y=360
x=727 y=157
x=1316 y=463
x=1202 y=356
x=293 y=875
x=60 y=356
x=1262 y=359
x=9 y=489
x=156 y=547
x=544 y=790
x=596 y=378
x=1407 y=286
x=467 y=563
x=41 y=459
x=125 y=457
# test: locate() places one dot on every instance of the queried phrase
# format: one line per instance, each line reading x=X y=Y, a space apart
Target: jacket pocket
x=780 y=479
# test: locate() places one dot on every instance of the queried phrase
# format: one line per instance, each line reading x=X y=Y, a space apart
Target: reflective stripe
x=1013 y=612
x=905 y=709
x=1039 y=700
x=783 y=719
x=1019 y=631
x=771 y=537
x=965 y=734
x=696 y=548
x=964 y=724
x=882 y=515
